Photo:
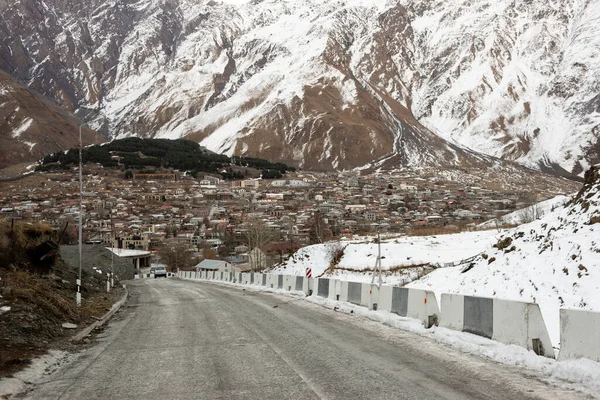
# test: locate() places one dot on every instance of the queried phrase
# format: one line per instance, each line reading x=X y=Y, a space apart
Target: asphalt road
x=190 y=340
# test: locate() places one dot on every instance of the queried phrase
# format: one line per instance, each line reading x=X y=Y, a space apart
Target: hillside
x=183 y=155
x=554 y=261
x=32 y=126
x=37 y=293
x=325 y=84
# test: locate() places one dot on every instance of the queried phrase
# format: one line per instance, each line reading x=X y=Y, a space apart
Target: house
x=259 y=260
x=214 y=265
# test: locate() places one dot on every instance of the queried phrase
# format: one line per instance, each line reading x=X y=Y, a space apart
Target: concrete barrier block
x=579 y=336
x=289 y=282
x=333 y=289
x=323 y=287
x=509 y=322
x=313 y=284
x=538 y=330
x=369 y=295
x=365 y=294
x=338 y=288
x=400 y=301
x=521 y=324
x=344 y=290
x=453 y=311
x=479 y=316
x=422 y=305
x=385 y=298
x=354 y=292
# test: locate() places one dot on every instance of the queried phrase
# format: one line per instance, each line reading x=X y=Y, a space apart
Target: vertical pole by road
x=78 y=296
x=379 y=254
x=112 y=253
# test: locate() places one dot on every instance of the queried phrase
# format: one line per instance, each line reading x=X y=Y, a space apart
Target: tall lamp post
x=78 y=296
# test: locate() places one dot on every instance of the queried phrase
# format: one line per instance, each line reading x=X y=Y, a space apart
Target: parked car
x=160 y=271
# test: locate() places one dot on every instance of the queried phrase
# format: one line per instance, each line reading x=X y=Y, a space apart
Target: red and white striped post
x=308 y=272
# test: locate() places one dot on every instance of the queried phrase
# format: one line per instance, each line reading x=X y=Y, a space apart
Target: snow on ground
x=360 y=255
x=530 y=213
x=554 y=262
x=581 y=375
x=39 y=368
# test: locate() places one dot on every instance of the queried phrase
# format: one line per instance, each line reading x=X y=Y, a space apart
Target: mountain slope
x=31 y=126
x=554 y=261
x=333 y=84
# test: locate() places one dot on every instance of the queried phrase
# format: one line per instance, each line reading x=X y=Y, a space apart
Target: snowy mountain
x=325 y=84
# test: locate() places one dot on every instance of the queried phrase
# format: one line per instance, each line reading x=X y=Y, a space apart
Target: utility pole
x=378 y=262
x=78 y=295
x=112 y=254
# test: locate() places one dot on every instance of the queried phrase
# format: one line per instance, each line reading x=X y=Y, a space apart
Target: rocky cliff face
x=334 y=84
x=31 y=126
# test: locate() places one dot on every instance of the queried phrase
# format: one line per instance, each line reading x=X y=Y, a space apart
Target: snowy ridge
x=326 y=84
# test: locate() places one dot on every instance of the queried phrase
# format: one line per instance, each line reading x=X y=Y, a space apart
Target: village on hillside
x=178 y=220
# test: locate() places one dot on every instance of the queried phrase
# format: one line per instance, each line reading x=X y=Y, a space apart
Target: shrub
x=336 y=252
x=503 y=243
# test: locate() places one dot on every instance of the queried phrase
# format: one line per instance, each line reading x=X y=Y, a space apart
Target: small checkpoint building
x=139 y=258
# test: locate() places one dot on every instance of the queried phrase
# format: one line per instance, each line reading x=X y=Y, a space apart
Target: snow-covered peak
x=326 y=84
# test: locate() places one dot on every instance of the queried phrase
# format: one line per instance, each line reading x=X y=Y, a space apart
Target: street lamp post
x=78 y=296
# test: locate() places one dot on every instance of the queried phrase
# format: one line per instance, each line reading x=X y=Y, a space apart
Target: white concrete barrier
x=385 y=298
x=422 y=305
x=289 y=282
x=272 y=281
x=369 y=295
x=312 y=286
x=522 y=324
x=453 y=311
x=344 y=290
x=334 y=289
x=301 y=284
x=509 y=322
x=579 y=335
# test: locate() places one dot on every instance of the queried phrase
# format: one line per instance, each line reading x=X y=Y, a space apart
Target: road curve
x=190 y=340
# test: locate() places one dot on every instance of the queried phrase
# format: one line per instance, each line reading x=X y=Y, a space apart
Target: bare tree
x=530 y=214
x=174 y=255
x=258 y=236
x=319 y=231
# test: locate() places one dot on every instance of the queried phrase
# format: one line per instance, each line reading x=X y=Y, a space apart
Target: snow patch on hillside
x=26 y=123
